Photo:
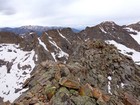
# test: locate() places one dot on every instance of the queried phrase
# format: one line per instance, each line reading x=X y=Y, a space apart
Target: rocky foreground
x=95 y=74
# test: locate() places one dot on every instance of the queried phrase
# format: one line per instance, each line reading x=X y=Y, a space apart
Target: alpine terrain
x=99 y=65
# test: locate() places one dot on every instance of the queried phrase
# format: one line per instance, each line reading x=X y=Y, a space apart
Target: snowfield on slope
x=15 y=67
x=125 y=50
x=59 y=52
x=137 y=36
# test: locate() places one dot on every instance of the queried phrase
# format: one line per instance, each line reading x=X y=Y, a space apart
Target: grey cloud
x=69 y=12
x=48 y=8
x=6 y=8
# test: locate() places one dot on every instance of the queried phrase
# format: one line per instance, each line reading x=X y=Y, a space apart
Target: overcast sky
x=74 y=13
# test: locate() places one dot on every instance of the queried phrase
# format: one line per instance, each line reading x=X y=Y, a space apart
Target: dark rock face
x=58 y=42
x=8 y=37
x=63 y=38
x=110 y=31
x=135 y=26
x=95 y=74
x=2 y=62
x=26 y=42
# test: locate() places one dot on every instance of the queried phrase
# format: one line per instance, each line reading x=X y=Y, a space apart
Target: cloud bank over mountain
x=67 y=13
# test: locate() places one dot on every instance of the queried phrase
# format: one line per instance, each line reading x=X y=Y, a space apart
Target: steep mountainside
x=62 y=61
x=135 y=26
x=111 y=31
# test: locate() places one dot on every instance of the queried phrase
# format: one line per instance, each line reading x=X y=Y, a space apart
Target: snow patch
x=13 y=76
x=125 y=50
x=60 y=52
x=63 y=37
x=109 y=78
x=31 y=33
x=137 y=36
x=109 y=83
x=119 y=38
x=122 y=85
x=54 y=56
x=41 y=43
x=102 y=30
x=86 y=39
x=36 y=57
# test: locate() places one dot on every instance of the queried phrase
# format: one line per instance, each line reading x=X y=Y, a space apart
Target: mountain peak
x=138 y=22
x=33 y=27
x=135 y=26
x=108 y=23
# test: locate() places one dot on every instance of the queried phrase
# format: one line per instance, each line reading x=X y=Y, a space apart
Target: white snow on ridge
x=136 y=37
x=63 y=37
x=22 y=64
x=31 y=33
x=41 y=43
x=60 y=53
x=109 y=84
x=54 y=56
x=102 y=30
x=109 y=78
x=130 y=29
x=135 y=56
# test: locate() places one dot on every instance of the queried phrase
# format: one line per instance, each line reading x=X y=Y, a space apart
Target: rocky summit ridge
x=97 y=66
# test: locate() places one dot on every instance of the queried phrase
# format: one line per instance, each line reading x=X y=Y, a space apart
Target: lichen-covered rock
x=86 y=90
x=83 y=100
x=69 y=83
x=50 y=91
x=62 y=97
x=130 y=100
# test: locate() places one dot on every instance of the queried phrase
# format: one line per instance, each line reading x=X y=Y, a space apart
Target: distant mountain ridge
x=63 y=38
x=26 y=29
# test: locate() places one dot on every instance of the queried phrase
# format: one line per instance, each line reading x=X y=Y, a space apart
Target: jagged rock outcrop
x=110 y=31
x=58 y=43
x=95 y=74
x=8 y=37
x=135 y=26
